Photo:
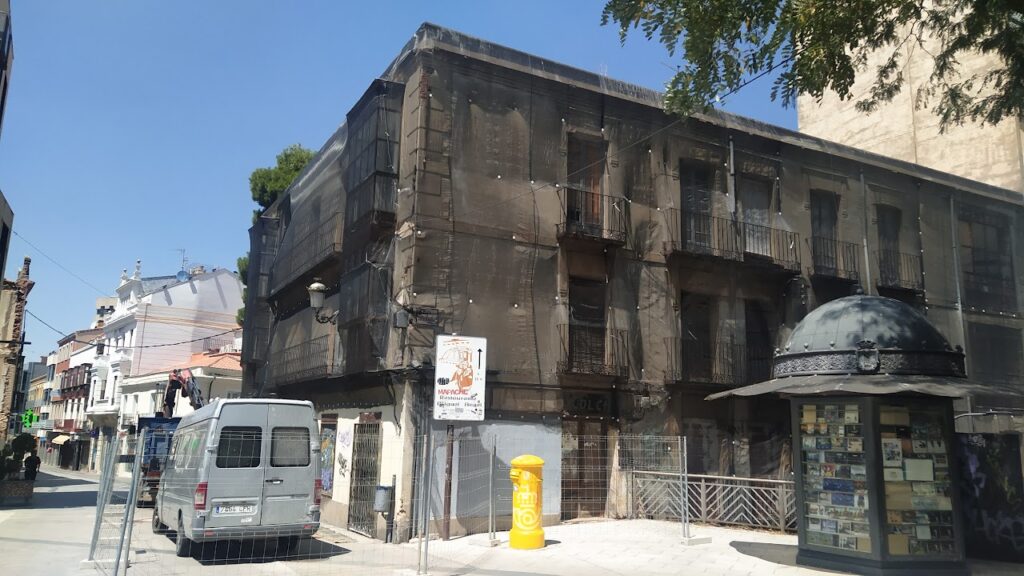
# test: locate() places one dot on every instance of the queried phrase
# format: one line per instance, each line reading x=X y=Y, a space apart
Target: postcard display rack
x=918 y=485
x=836 y=501
x=876 y=483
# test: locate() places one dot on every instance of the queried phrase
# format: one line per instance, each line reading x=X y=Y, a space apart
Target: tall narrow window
x=755 y=201
x=889 y=221
x=584 y=172
x=824 y=216
x=586 y=338
x=696 y=180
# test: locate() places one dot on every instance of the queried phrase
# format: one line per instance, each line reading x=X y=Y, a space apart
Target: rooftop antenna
x=184 y=258
x=182 y=274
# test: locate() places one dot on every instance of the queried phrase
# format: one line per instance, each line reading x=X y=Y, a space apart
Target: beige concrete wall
x=905 y=130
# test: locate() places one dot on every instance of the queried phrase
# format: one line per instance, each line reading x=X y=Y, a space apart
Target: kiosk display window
x=916 y=475
x=836 y=499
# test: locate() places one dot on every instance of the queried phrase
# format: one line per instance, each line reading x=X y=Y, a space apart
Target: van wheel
x=182 y=545
x=158 y=526
x=287 y=545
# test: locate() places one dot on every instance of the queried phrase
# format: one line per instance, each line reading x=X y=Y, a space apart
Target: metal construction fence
x=249 y=500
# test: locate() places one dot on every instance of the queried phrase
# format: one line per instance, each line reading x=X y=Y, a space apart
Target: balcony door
x=584 y=173
x=586 y=325
x=696 y=180
x=697 y=346
x=824 y=218
x=756 y=202
x=889 y=221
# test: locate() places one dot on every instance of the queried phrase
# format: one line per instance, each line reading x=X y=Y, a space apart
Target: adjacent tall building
x=622 y=264
x=13 y=301
x=902 y=130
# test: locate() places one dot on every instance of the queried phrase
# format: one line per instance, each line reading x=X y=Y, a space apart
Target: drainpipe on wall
x=867 y=254
x=959 y=297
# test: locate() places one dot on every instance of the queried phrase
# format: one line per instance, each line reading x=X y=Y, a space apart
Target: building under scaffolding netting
x=622 y=263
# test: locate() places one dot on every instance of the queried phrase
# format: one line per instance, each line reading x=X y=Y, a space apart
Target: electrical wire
x=606 y=157
x=44 y=323
x=59 y=265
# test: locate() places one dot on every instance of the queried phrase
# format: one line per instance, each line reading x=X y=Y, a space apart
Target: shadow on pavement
x=784 y=554
x=260 y=551
x=75 y=499
x=44 y=480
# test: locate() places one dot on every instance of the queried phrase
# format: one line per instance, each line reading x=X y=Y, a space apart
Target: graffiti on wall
x=344 y=447
x=327 y=438
x=992 y=490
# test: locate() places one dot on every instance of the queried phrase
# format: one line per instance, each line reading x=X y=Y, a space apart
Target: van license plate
x=235 y=509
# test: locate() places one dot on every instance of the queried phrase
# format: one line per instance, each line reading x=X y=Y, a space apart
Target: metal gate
x=365 y=477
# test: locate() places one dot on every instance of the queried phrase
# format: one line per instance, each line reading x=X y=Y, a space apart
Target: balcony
x=989 y=293
x=899 y=270
x=592 y=350
x=835 y=259
x=308 y=360
x=699 y=234
x=589 y=217
x=306 y=251
x=777 y=247
x=718 y=363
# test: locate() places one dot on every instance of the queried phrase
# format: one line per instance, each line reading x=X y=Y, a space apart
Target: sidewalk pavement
x=597 y=548
x=50 y=535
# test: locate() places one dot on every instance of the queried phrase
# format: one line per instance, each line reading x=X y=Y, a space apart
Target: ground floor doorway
x=585 y=469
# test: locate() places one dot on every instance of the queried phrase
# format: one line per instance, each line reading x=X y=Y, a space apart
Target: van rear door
x=236 y=475
x=289 y=487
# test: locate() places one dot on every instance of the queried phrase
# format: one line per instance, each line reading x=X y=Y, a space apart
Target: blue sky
x=132 y=126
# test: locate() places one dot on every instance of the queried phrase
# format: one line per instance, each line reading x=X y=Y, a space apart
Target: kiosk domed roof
x=842 y=324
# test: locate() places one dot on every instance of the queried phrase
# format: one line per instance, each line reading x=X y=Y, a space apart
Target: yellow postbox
x=527 y=475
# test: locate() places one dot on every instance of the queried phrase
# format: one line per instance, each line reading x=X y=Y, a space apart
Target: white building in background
x=217 y=372
x=158 y=324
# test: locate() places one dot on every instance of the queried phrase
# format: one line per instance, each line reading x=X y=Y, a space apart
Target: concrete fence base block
x=696 y=540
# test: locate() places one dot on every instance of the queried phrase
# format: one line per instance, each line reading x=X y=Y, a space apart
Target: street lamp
x=316 y=301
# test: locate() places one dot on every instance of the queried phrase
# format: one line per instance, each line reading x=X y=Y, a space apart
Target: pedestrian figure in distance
x=32 y=463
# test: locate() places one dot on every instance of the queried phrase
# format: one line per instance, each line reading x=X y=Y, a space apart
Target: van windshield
x=289 y=446
x=239 y=447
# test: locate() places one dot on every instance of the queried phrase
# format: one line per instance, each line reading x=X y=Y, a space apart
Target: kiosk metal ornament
x=871 y=383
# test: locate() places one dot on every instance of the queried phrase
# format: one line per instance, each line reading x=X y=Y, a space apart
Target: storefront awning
x=947 y=387
x=60 y=439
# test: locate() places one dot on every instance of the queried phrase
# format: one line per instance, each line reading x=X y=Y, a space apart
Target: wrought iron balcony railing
x=593 y=350
x=307 y=251
x=307 y=360
x=835 y=259
x=590 y=216
x=704 y=235
x=781 y=247
x=899 y=270
x=990 y=293
x=718 y=362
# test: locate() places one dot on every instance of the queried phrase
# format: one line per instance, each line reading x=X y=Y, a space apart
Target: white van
x=242 y=469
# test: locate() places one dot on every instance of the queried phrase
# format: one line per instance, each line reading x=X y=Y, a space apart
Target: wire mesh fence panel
x=245 y=497
x=116 y=496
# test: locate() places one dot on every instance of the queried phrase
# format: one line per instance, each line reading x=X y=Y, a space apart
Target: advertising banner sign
x=459 y=376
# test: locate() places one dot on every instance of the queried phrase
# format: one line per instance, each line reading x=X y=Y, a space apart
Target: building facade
x=154 y=325
x=622 y=264
x=901 y=129
x=13 y=300
x=6 y=57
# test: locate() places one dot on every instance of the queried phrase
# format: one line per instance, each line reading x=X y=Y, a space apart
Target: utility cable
x=44 y=323
x=59 y=265
x=621 y=150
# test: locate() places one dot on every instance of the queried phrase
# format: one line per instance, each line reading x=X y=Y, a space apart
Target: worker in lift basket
x=173 y=385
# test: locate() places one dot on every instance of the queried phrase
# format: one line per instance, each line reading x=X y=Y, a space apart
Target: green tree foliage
x=243 y=268
x=266 y=184
x=822 y=45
